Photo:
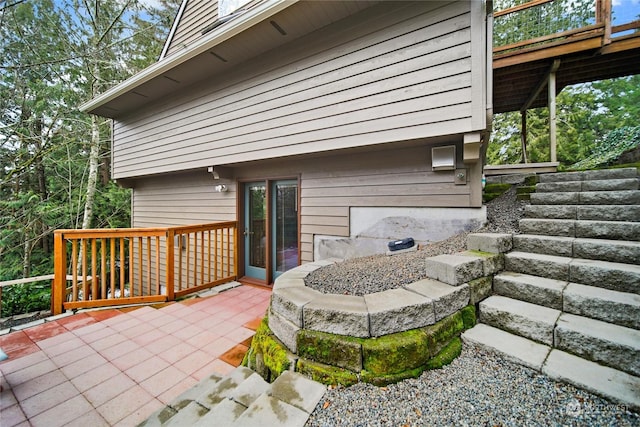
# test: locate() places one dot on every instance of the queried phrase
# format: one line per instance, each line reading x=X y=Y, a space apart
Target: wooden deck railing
x=540 y=23
x=103 y=267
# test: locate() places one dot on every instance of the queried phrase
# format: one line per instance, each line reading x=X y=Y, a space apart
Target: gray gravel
x=361 y=276
x=477 y=389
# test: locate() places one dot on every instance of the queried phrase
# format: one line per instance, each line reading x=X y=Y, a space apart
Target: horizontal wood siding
x=331 y=185
x=196 y=16
x=181 y=199
x=393 y=72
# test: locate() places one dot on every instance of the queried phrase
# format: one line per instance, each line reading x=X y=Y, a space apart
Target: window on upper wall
x=227 y=7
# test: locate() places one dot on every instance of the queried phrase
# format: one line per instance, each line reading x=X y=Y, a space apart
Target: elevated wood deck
x=589 y=53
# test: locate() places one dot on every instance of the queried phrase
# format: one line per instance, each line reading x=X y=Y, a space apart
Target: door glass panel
x=285 y=225
x=255 y=228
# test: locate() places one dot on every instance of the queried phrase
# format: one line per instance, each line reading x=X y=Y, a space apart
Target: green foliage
x=55 y=56
x=586 y=114
x=19 y=299
x=616 y=142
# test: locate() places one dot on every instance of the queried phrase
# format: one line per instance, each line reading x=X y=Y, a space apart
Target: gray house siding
x=394 y=72
x=329 y=187
x=196 y=16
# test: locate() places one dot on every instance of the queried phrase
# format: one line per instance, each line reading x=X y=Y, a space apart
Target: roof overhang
x=110 y=103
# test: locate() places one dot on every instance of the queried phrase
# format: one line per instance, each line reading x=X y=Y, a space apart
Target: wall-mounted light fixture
x=221 y=188
x=213 y=172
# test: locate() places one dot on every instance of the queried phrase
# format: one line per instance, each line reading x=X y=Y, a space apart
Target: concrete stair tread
x=561 y=366
x=604 y=381
x=617 y=197
x=531 y=321
x=242 y=398
x=589 y=185
x=584 y=212
x=528 y=288
x=620 y=308
x=623 y=251
x=619 y=173
x=615 y=230
x=616 y=276
x=513 y=347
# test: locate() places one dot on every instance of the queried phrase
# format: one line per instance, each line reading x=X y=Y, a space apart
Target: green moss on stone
x=382 y=380
x=331 y=349
x=480 y=288
x=446 y=355
x=496 y=188
x=326 y=374
x=440 y=333
x=468 y=316
x=526 y=189
x=531 y=180
x=273 y=352
x=395 y=353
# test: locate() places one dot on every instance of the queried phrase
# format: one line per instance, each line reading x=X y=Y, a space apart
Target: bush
x=27 y=298
x=614 y=144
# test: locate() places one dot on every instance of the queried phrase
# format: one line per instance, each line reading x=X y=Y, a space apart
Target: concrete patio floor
x=114 y=367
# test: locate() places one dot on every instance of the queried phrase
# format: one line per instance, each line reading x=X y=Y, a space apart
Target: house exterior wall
x=394 y=72
x=330 y=187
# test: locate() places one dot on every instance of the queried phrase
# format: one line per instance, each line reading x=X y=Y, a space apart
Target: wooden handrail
x=96 y=254
x=518 y=8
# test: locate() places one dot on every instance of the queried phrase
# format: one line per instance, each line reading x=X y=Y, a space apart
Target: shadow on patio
x=117 y=366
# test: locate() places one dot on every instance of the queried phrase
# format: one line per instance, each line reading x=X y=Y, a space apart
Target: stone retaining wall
x=382 y=337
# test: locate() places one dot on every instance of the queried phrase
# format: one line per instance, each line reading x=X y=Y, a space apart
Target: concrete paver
x=116 y=367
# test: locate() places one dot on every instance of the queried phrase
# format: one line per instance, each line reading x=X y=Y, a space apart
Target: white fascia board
x=253 y=16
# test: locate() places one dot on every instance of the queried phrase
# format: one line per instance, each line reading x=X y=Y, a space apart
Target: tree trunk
x=94 y=156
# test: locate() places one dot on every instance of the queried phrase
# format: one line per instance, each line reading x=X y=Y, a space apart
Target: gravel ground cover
x=361 y=276
x=479 y=388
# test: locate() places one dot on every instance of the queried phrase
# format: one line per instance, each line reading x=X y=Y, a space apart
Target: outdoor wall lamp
x=221 y=188
x=213 y=172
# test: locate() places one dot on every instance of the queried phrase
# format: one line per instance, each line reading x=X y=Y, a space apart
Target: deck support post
x=552 y=115
x=523 y=134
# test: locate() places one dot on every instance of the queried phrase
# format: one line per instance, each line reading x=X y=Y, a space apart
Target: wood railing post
x=170 y=264
x=60 y=273
x=606 y=14
x=235 y=251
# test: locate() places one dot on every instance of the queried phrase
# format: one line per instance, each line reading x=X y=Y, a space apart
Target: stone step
x=242 y=398
x=605 y=274
x=289 y=402
x=531 y=289
x=604 y=381
x=542 y=265
x=620 y=173
x=599 y=249
x=528 y=320
x=512 y=347
x=621 y=251
x=623 y=197
x=614 y=276
x=591 y=185
x=615 y=230
x=611 y=345
x=610 y=383
x=584 y=212
x=620 y=308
